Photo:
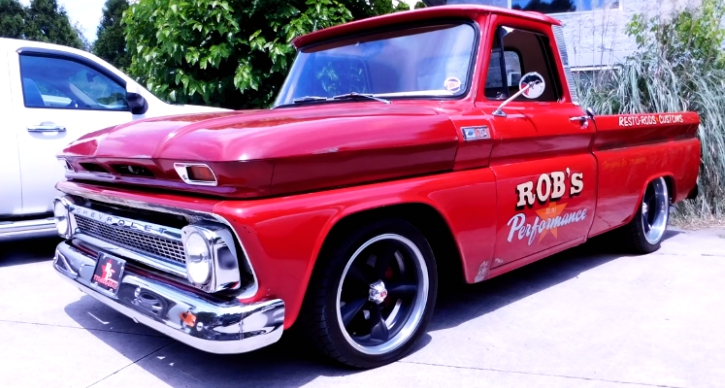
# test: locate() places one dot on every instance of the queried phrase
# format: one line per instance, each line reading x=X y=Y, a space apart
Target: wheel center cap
x=645 y=208
x=378 y=292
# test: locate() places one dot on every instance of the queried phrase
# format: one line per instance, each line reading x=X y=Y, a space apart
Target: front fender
x=283 y=236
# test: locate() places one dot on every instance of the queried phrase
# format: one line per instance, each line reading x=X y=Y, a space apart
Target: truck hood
x=284 y=149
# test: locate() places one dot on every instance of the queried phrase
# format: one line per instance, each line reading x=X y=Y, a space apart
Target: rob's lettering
x=548 y=187
x=551 y=186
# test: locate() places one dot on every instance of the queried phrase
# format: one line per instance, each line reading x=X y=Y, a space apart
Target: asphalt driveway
x=591 y=317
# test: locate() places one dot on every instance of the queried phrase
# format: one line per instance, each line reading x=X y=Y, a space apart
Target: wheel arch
x=424 y=217
x=669 y=181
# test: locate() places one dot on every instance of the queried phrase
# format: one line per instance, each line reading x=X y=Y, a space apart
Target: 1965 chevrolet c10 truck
x=401 y=150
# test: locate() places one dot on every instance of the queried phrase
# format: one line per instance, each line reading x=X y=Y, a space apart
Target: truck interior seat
x=32 y=95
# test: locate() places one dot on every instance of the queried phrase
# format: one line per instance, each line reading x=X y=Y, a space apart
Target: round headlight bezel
x=219 y=252
x=61 y=216
x=198 y=258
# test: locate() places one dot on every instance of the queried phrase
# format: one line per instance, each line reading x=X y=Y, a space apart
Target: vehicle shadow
x=27 y=250
x=469 y=301
x=292 y=363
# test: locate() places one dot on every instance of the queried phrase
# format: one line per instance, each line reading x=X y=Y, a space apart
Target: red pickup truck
x=401 y=149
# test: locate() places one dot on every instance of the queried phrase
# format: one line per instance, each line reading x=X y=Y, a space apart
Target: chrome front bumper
x=196 y=319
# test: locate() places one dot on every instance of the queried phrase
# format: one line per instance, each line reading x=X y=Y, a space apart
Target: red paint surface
x=287 y=176
x=457 y=11
x=630 y=157
x=277 y=151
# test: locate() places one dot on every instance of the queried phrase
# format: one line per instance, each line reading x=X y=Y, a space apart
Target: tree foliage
x=111 y=42
x=231 y=53
x=12 y=19
x=696 y=32
x=361 y=9
x=680 y=65
x=43 y=21
x=47 y=22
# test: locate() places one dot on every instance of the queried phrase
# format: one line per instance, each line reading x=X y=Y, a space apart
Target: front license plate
x=107 y=275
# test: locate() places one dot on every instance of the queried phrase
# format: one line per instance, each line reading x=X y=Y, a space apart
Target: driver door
x=57 y=98
x=541 y=157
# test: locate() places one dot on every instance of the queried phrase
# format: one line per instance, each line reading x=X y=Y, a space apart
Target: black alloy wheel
x=373 y=295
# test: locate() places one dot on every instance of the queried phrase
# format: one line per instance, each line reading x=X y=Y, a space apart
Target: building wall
x=597 y=38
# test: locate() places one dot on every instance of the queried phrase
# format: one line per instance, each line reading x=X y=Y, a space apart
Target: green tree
x=46 y=22
x=231 y=53
x=85 y=44
x=419 y=5
x=12 y=19
x=401 y=6
x=361 y=9
x=111 y=43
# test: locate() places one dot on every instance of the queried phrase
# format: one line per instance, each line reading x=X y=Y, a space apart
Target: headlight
x=198 y=258
x=211 y=261
x=62 y=219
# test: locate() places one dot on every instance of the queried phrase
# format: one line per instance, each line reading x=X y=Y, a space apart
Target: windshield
x=425 y=61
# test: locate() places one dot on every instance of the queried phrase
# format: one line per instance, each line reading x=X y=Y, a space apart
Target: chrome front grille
x=165 y=248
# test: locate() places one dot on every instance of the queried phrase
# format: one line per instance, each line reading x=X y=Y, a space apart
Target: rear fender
x=669 y=180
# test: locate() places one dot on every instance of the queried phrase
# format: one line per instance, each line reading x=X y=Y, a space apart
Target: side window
x=64 y=84
x=526 y=56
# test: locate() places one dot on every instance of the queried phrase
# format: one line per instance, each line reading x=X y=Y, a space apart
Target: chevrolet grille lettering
x=125 y=223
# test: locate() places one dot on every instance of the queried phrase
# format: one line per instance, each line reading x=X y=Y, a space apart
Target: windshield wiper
x=354 y=95
x=347 y=96
x=309 y=99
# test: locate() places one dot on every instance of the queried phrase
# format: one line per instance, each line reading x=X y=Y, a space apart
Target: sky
x=87 y=13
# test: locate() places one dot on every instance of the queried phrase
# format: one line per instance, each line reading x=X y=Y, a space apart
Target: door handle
x=46 y=126
x=582 y=120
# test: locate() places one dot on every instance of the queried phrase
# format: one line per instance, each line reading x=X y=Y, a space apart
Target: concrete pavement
x=591 y=317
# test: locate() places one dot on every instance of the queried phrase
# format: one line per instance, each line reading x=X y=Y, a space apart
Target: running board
x=28 y=228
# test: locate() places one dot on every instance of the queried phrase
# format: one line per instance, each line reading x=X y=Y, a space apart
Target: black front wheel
x=373 y=295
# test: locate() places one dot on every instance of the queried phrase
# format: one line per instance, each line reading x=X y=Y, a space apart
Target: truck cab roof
x=446 y=11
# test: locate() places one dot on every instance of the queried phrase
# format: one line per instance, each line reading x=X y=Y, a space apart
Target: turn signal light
x=196 y=174
x=188 y=318
x=201 y=173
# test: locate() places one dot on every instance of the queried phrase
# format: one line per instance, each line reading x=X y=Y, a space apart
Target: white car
x=51 y=95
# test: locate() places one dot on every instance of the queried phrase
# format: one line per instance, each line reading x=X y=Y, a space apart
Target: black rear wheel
x=645 y=232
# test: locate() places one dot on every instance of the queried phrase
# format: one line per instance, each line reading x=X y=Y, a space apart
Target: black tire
x=350 y=343
x=639 y=235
